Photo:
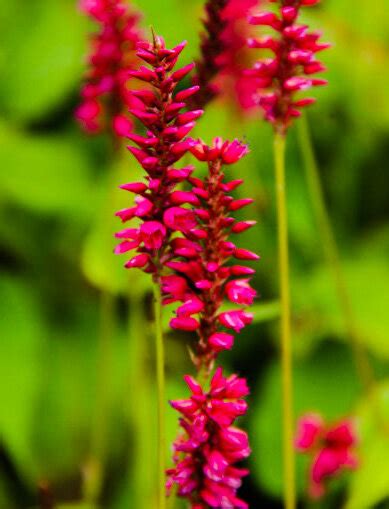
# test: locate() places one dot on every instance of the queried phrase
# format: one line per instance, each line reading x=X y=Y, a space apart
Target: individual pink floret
x=331 y=448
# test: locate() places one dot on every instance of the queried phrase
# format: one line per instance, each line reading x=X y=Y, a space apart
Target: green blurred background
x=68 y=399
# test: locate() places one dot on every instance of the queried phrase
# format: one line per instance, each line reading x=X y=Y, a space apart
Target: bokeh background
x=70 y=400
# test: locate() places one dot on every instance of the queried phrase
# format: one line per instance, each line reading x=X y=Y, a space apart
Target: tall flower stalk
x=156 y=199
x=279 y=78
x=209 y=446
x=331 y=253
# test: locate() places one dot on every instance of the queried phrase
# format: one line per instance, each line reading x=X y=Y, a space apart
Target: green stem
x=140 y=415
x=94 y=474
x=286 y=346
x=160 y=366
x=331 y=251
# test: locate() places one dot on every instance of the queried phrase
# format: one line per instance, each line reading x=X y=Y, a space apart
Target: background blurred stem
x=140 y=414
x=331 y=251
x=286 y=347
x=160 y=366
x=94 y=475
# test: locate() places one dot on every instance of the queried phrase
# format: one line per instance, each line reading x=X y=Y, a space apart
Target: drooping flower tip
x=332 y=449
x=279 y=78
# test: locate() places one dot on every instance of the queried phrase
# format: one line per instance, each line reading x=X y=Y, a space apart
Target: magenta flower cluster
x=105 y=95
x=207 y=450
x=203 y=279
x=290 y=70
x=331 y=448
x=184 y=241
x=165 y=143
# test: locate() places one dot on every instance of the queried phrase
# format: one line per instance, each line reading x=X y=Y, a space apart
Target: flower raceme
x=209 y=446
x=291 y=68
x=235 y=57
x=224 y=53
x=104 y=95
x=331 y=448
x=211 y=47
x=157 y=204
x=202 y=279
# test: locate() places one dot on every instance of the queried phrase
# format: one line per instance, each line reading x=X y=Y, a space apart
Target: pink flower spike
x=278 y=80
x=105 y=97
x=164 y=144
x=207 y=450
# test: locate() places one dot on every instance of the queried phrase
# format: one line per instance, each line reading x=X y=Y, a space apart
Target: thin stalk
x=331 y=252
x=140 y=416
x=286 y=340
x=160 y=367
x=94 y=474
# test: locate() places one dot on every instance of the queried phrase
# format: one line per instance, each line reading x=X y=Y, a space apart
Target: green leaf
x=324 y=383
x=366 y=273
x=43 y=57
x=46 y=174
x=22 y=337
x=370 y=482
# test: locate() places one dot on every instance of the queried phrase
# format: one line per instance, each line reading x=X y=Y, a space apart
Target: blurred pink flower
x=279 y=78
x=331 y=448
x=105 y=96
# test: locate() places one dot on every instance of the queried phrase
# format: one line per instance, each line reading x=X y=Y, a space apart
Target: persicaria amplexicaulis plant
x=331 y=447
x=203 y=278
x=290 y=70
x=157 y=203
x=105 y=96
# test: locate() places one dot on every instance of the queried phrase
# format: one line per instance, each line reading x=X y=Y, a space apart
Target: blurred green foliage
x=58 y=192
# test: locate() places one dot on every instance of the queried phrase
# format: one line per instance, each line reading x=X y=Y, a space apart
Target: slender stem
x=140 y=415
x=94 y=474
x=160 y=366
x=331 y=252
x=286 y=346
